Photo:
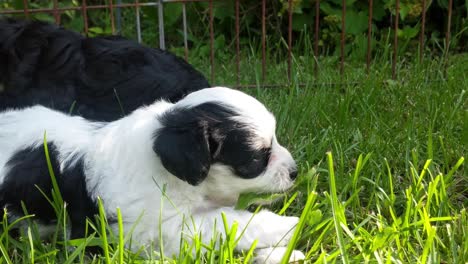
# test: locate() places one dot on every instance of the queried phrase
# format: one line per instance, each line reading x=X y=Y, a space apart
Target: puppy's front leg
x=268 y=228
x=275 y=255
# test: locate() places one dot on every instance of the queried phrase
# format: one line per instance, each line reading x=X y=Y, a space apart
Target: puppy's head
x=224 y=140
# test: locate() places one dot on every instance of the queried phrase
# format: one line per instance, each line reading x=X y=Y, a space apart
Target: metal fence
x=114 y=7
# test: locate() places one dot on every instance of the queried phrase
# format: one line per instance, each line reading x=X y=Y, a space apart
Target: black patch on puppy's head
x=193 y=138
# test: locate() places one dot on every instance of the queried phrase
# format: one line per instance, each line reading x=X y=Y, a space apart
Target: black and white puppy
x=195 y=157
x=99 y=78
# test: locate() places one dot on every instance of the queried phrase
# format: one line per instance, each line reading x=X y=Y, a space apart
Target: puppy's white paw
x=278 y=230
x=275 y=255
x=289 y=224
x=296 y=257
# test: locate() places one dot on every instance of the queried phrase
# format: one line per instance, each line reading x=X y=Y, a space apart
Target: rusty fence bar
x=26 y=9
x=184 y=25
x=316 y=35
x=57 y=10
x=395 y=39
x=447 y=34
x=111 y=13
x=237 y=44
x=289 y=39
x=56 y=13
x=84 y=12
x=263 y=40
x=211 y=42
x=369 y=36
x=343 y=33
x=421 y=34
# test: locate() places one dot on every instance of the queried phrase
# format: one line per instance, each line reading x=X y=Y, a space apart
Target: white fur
x=123 y=170
x=275 y=255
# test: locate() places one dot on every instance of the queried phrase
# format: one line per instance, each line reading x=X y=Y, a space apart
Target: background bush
x=276 y=23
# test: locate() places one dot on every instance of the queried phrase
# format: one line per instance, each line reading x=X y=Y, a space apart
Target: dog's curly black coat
x=101 y=78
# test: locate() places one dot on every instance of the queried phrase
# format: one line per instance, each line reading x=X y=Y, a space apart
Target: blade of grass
x=121 y=236
x=337 y=210
x=300 y=226
x=55 y=186
x=5 y=253
x=79 y=249
x=103 y=224
x=249 y=254
x=31 y=245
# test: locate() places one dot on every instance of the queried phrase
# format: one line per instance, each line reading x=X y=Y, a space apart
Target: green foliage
x=356 y=24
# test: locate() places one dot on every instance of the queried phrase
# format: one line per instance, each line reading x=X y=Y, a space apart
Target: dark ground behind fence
x=114 y=8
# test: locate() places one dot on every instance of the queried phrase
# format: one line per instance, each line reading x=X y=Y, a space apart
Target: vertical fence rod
x=85 y=16
x=25 y=8
x=395 y=39
x=369 y=36
x=138 y=22
x=343 y=33
x=211 y=42
x=56 y=13
x=162 y=43
x=237 y=44
x=289 y=39
x=184 y=24
x=111 y=10
x=316 y=35
x=263 y=40
x=447 y=34
x=421 y=34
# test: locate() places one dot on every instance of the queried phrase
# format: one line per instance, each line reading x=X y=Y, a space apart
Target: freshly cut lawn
x=382 y=176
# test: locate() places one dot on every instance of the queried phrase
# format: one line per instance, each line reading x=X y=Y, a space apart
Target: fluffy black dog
x=100 y=78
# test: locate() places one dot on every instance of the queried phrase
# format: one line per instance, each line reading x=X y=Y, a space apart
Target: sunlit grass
x=382 y=176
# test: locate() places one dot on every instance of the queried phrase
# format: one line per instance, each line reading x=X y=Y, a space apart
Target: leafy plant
x=356 y=24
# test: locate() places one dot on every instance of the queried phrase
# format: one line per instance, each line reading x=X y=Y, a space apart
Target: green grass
x=382 y=170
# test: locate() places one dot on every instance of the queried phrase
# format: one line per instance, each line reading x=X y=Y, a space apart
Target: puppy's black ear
x=183 y=145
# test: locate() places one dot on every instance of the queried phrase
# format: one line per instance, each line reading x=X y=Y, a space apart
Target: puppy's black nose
x=293 y=174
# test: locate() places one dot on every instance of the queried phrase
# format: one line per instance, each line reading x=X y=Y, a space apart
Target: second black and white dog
x=100 y=78
x=196 y=157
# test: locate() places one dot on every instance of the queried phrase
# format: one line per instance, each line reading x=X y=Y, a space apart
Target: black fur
x=103 y=78
x=28 y=173
x=194 y=138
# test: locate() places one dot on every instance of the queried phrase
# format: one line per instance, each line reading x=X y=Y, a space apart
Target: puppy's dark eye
x=255 y=163
x=237 y=152
x=263 y=156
